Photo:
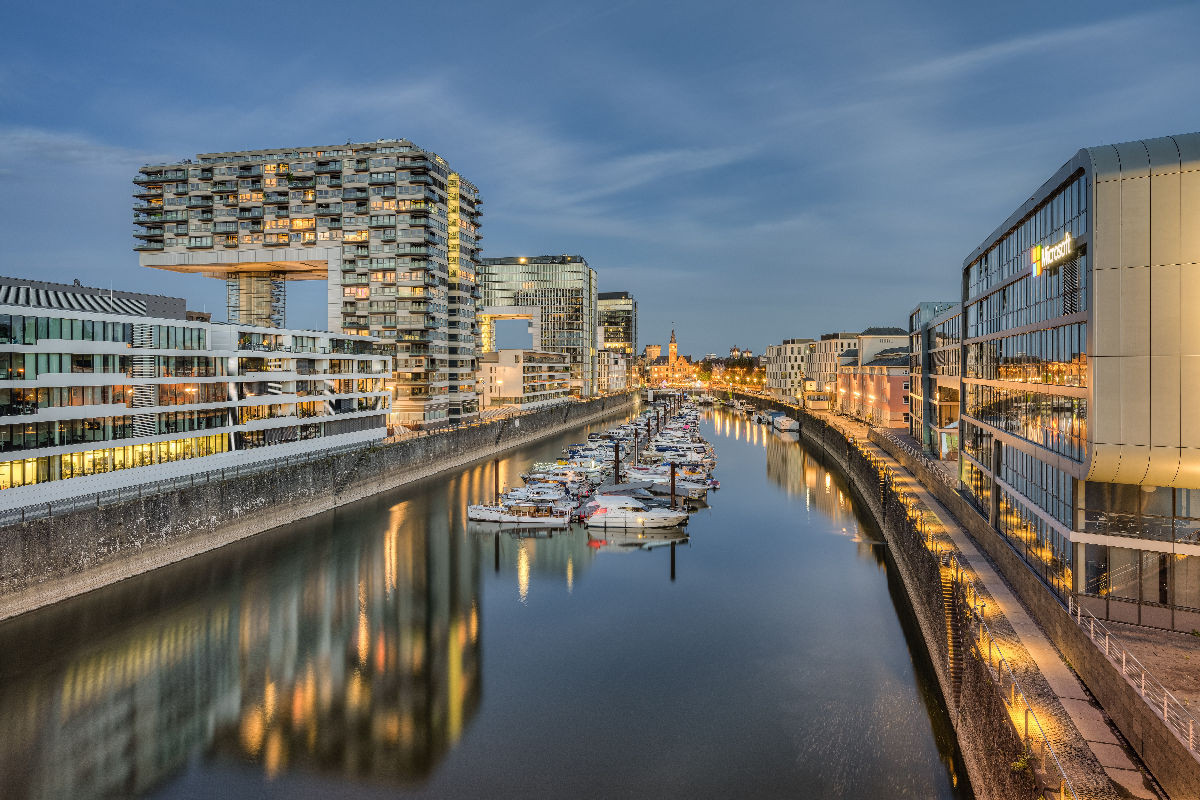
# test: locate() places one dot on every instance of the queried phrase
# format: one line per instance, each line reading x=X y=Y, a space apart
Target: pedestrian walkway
x=1098 y=764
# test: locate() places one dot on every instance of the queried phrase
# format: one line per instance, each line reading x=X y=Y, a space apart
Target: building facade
x=821 y=368
x=785 y=364
x=389 y=226
x=96 y=395
x=873 y=384
x=614 y=371
x=563 y=289
x=618 y=314
x=1081 y=364
x=524 y=378
x=671 y=369
x=935 y=339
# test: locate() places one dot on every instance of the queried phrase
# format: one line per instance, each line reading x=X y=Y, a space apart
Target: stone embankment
x=51 y=559
x=1025 y=724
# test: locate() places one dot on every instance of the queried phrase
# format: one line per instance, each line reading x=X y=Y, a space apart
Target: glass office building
x=1080 y=365
x=935 y=344
x=563 y=289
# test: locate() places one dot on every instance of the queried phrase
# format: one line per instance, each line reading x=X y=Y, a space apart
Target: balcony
x=149 y=233
x=276 y=198
x=302 y=183
x=333 y=167
x=200 y=202
x=148 y=246
x=250 y=213
x=354 y=194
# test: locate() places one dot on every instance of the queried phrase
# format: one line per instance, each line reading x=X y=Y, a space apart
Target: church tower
x=672 y=349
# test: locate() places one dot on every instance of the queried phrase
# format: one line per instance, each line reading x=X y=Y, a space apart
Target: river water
x=387 y=650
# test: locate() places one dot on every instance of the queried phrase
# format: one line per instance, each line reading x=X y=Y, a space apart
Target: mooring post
x=672 y=485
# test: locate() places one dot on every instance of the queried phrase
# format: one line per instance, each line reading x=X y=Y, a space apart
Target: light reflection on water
x=344 y=656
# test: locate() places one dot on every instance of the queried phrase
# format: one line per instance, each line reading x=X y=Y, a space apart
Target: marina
x=660 y=453
x=394 y=649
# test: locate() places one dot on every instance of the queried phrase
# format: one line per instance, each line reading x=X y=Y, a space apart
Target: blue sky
x=751 y=171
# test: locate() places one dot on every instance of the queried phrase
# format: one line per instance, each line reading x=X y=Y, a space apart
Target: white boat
x=611 y=511
x=528 y=514
x=785 y=423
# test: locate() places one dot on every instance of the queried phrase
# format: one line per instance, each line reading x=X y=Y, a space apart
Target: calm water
x=388 y=651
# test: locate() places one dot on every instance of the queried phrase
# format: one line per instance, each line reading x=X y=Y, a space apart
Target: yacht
x=525 y=513
x=612 y=511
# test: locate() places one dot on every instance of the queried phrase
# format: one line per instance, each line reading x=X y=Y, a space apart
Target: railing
x=122 y=494
x=35 y=511
x=926 y=460
x=1001 y=671
x=1034 y=737
x=1157 y=696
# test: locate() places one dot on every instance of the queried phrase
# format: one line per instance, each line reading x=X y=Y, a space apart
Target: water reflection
x=353 y=655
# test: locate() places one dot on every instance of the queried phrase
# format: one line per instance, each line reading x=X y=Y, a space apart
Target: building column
x=256 y=298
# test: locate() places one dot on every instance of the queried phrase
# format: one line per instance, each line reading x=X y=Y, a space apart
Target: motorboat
x=615 y=511
x=525 y=513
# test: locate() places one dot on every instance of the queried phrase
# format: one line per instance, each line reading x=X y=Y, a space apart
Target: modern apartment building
x=1080 y=437
x=935 y=340
x=96 y=394
x=785 y=364
x=821 y=368
x=618 y=313
x=390 y=227
x=524 y=378
x=563 y=289
x=613 y=372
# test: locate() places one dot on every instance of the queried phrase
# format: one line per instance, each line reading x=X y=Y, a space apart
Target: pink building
x=872 y=381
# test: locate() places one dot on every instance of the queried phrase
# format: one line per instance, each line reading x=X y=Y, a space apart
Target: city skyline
x=831 y=161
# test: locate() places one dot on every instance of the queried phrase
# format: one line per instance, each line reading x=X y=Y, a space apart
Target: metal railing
x=930 y=463
x=107 y=497
x=1034 y=737
x=1157 y=696
x=122 y=494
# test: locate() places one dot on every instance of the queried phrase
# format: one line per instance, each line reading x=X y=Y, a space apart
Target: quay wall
x=1161 y=751
x=987 y=740
x=53 y=558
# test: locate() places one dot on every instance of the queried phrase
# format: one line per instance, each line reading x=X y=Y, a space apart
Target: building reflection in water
x=348 y=647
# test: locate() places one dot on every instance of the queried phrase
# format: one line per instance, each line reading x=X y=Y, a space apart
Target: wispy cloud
x=963 y=62
x=39 y=146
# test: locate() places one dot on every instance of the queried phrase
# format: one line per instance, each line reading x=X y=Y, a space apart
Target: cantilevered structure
x=388 y=225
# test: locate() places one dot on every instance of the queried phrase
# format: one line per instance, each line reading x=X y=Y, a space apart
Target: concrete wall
x=51 y=559
x=1164 y=755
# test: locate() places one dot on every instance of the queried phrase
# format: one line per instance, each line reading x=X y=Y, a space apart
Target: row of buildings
x=95 y=384
x=1061 y=379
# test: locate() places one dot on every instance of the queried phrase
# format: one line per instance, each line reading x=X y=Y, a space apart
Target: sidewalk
x=1098 y=765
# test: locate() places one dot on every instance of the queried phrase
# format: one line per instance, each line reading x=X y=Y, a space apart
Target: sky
x=751 y=171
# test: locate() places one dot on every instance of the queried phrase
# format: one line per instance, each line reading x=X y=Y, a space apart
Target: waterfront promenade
x=1090 y=751
x=1094 y=756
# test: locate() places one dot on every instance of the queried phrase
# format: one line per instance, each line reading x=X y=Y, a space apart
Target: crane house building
x=1080 y=426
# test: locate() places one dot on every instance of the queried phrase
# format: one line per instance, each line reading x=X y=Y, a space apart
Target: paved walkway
x=1105 y=769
